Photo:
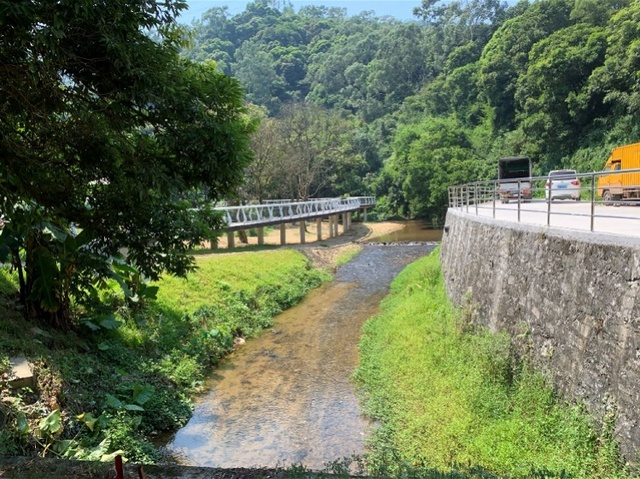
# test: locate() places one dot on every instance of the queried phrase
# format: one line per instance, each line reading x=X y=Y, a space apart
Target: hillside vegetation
x=355 y=105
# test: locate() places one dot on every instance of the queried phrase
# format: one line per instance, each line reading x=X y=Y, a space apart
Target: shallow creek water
x=286 y=397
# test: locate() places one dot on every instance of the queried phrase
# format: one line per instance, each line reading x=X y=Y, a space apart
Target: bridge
x=281 y=212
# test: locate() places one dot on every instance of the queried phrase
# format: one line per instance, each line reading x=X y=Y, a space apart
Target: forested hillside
x=367 y=105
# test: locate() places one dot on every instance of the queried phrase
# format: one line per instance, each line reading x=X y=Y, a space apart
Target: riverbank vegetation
x=114 y=384
x=447 y=395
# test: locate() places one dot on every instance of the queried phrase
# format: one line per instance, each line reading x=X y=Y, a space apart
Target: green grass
x=347 y=255
x=448 y=396
x=217 y=274
x=136 y=379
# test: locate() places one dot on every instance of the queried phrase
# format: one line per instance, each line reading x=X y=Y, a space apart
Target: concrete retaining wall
x=571 y=301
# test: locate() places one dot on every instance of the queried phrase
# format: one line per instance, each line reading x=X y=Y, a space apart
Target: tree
x=506 y=56
x=428 y=158
x=312 y=143
x=264 y=173
x=617 y=78
x=104 y=128
x=555 y=104
x=255 y=69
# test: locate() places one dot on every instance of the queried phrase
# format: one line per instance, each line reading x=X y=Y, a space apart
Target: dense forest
x=367 y=105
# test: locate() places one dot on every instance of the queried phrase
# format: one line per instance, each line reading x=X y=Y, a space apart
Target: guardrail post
x=467 y=197
x=495 y=188
x=475 y=199
x=593 y=199
x=548 y=202
x=519 y=194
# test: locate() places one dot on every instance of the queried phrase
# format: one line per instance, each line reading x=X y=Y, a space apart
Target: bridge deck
x=251 y=216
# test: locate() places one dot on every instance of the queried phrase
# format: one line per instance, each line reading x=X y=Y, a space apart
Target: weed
x=450 y=399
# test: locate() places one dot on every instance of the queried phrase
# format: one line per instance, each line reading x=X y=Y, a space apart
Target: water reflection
x=412 y=231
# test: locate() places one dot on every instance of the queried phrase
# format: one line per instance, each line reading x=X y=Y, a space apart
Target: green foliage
x=506 y=55
x=448 y=396
x=428 y=157
x=105 y=128
x=555 y=101
x=119 y=387
x=551 y=79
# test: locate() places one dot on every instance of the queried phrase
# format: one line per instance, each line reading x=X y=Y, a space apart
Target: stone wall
x=571 y=301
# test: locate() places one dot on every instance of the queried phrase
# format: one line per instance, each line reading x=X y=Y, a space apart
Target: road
x=566 y=214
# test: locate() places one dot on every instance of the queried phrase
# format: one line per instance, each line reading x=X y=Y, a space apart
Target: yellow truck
x=623 y=185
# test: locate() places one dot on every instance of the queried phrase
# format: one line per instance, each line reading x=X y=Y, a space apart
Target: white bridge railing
x=280 y=212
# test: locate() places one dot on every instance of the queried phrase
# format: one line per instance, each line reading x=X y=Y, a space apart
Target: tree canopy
x=553 y=79
x=103 y=128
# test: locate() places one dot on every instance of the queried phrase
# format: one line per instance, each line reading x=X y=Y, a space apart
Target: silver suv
x=562 y=185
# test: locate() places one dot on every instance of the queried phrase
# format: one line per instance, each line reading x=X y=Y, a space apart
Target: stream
x=286 y=397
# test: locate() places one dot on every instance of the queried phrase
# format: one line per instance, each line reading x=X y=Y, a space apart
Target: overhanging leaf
x=142 y=393
x=150 y=292
x=113 y=402
x=51 y=424
x=22 y=424
x=88 y=419
x=133 y=407
x=109 y=322
x=58 y=233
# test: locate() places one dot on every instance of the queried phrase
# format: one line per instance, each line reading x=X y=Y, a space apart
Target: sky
x=400 y=9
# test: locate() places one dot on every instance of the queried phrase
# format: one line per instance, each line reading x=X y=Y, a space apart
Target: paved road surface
x=620 y=220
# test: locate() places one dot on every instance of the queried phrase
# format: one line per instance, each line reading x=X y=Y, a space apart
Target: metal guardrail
x=274 y=211
x=483 y=198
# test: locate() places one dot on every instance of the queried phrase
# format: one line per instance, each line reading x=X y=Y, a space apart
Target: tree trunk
x=60 y=318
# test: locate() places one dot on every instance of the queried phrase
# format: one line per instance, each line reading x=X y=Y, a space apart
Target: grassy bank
x=448 y=396
x=113 y=384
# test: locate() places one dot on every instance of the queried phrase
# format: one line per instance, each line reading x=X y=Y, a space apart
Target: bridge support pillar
x=349 y=221
x=319 y=229
x=365 y=214
x=260 y=235
x=303 y=227
x=230 y=240
x=214 y=243
x=345 y=223
x=336 y=225
x=283 y=234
